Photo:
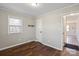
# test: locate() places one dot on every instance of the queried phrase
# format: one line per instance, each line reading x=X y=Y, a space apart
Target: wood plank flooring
x=31 y=49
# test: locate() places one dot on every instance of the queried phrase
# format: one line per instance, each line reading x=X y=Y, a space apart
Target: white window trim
x=14 y=26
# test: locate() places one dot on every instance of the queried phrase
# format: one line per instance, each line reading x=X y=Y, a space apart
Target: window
x=15 y=25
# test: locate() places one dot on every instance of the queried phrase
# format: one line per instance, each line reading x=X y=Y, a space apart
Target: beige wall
x=7 y=40
x=52 y=26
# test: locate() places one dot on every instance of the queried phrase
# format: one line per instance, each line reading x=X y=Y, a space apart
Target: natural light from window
x=15 y=25
x=67 y=27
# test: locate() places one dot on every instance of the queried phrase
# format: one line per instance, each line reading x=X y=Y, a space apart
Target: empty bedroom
x=39 y=29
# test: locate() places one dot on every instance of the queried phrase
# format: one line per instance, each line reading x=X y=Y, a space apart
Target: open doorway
x=71 y=34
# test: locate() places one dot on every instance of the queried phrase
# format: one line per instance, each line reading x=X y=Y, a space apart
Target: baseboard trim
x=27 y=42
x=13 y=45
x=51 y=46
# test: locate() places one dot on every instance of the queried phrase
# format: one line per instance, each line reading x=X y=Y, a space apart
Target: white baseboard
x=27 y=42
x=13 y=45
x=57 y=48
x=51 y=46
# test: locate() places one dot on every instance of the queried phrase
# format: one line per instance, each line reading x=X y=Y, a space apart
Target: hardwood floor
x=37 y=49
x=70 y=52
x=31 y=49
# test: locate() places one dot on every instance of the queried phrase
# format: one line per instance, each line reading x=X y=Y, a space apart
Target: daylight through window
x=15 y=25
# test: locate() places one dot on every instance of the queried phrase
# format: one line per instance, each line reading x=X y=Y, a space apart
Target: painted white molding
x=14 y=45
x=53 y=47
x=27 y=42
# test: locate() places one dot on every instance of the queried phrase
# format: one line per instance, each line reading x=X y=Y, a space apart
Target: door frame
x=64 y=25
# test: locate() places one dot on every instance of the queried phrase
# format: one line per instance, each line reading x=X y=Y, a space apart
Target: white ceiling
x=27 y=9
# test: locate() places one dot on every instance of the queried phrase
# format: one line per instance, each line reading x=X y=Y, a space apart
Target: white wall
x=7 y=40
x=51 y=31
x=78 y=30
x=52 y=26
